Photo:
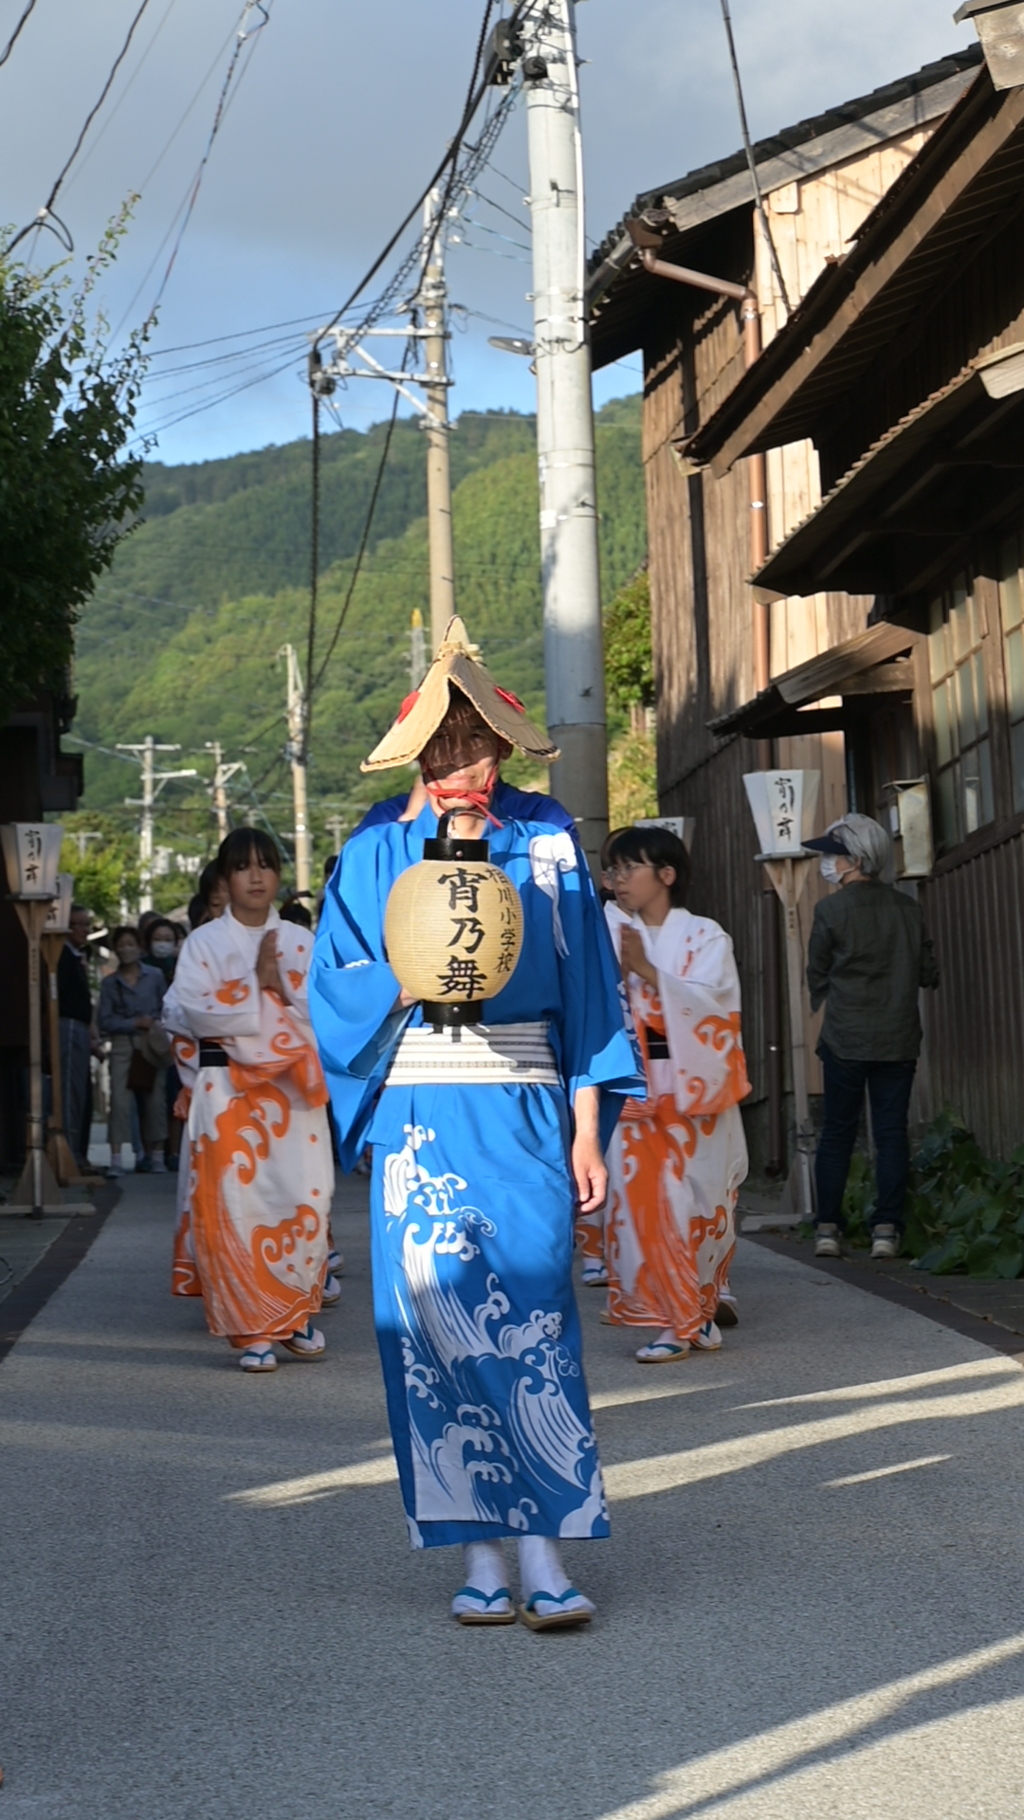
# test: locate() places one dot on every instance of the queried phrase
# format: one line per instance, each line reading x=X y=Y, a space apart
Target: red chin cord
x=449 y=802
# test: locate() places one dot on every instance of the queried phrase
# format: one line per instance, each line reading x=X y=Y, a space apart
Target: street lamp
x=783 y=805
x=1000 y=26
x=31 y=853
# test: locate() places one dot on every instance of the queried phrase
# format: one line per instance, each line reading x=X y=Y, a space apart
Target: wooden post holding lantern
x=783 y=804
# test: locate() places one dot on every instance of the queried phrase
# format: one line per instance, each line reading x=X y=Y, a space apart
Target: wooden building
x=904 y=366
x=820 y=181
x=36 y=777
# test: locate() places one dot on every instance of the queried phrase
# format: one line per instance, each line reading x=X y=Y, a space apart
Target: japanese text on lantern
x=461 y=975
x=782 y=805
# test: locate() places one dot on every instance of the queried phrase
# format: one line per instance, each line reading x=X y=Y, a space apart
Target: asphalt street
x=812 y=1602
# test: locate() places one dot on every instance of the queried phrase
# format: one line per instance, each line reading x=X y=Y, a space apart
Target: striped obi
x=474 y=1054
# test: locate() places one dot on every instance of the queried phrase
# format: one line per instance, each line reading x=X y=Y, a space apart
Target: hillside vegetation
x=181 y=639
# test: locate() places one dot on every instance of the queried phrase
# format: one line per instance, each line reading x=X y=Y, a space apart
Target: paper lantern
x=31 y=856
x=453 y=929
x=783 y=804
x=58 y=917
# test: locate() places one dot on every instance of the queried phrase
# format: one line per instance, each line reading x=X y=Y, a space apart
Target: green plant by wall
x=965 y=1211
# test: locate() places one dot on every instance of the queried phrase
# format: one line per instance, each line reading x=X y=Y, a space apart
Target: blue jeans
x=888 y=1085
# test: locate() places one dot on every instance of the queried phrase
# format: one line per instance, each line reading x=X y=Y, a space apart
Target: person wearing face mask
x=161 y=948
x=868 y=957
x=129 y=1011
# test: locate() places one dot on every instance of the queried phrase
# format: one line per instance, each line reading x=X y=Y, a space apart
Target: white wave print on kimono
x=472 y=1457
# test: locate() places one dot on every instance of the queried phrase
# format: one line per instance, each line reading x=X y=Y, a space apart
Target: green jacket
x=868 y=956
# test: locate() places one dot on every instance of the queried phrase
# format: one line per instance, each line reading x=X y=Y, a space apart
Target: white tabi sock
x=540 y=1566
x=485 y=1566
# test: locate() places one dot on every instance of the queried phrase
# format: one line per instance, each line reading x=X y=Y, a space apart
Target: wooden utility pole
x=434 y=299
x=297 y=755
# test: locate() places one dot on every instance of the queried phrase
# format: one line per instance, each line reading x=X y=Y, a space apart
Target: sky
x=339 y=111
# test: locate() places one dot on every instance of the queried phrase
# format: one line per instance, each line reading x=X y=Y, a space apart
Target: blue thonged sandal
x=549 y=1611
x=258 y=1358
x=471 y=1606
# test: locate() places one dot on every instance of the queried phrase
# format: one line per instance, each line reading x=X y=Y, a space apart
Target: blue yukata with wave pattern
x=472 y=1201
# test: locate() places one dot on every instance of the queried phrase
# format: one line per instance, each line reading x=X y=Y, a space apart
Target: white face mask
x=830 y=870
x=162 y=949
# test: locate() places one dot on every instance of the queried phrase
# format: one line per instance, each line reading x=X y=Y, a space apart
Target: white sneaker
x=885 y=1242
x=158 y=1166
x=826 y=1241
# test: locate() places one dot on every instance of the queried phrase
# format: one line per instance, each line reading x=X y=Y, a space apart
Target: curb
x=919 y=1298
x=54 y=1267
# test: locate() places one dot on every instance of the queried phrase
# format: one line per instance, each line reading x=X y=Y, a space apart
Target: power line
x=449 y=159
x=16 y=34
x=43 y=217
x=751 y=164
x=112 y=116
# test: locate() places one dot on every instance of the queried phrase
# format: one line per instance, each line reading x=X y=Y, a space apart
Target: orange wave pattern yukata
x=261 y=1175
x=676 y=1162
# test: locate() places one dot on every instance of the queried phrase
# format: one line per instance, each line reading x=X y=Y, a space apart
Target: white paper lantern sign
x=31 y=856
x=784 y=805
x=58 y=919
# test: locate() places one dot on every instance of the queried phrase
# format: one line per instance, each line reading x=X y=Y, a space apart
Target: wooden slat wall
x=699 y=552
x=973 y=1058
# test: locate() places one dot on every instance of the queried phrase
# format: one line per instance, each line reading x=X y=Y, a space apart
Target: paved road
x=812 y=1603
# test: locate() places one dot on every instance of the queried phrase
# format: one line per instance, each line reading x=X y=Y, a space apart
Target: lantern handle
x=442 y=825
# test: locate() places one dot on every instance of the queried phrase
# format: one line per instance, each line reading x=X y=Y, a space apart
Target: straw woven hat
x=456 y=666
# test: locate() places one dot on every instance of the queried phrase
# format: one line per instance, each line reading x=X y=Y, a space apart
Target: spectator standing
x=161 y=940
x=129 y=1014
x=867 y=959
x=74 y=1001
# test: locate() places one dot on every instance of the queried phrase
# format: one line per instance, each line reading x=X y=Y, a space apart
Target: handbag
x=141 y=1073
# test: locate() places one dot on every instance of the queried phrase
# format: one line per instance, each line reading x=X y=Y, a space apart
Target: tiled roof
x=791 y=137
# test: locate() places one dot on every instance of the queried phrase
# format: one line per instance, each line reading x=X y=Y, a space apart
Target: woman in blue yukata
x=486 y=1139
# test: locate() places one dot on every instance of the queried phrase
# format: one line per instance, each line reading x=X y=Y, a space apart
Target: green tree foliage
x=628 y=660
x=66 y=488
x=104 y=865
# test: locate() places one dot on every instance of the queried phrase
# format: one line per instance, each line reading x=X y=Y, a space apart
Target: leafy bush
x=965 y=1211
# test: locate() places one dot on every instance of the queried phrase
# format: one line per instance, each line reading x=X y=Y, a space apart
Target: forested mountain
x=181 y=638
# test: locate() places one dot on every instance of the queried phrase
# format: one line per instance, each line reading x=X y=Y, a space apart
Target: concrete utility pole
x=222 y=775
x=335 y=825
x=434 y=298
x=296 y=752
x=152 y=784
x=417 y=650
x=573 y=650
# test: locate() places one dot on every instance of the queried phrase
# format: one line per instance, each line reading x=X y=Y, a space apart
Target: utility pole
x=296 y=753
x=573 y=649
x=222 y=775
x=152 y=784
x=434 y=298
x=82 y=837
x=335 y=825
x=417 y=650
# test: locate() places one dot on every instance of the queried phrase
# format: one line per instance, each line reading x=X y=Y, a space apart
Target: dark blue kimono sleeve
x=599 y=1046
x=352 y=996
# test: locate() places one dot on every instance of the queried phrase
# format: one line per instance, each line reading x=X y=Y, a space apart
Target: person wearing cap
x=485 y=1141
x=867 y=959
